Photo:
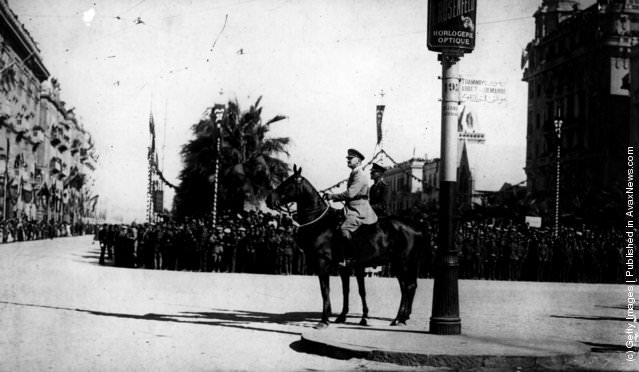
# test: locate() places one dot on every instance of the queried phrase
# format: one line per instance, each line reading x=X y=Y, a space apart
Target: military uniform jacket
x=379 y=197
x=357 y=207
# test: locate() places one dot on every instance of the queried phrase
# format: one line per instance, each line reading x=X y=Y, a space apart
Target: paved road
x=61 y=311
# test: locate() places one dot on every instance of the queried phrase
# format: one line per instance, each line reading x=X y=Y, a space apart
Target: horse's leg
x=360 y=275
x=402 y=303
x=411 y=287
x=326 y=300
x=345 y=275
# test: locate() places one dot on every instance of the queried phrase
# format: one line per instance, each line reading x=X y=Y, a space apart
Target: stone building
x=405 y=182
x=45 y=154
x=482 y=170
x=575 y=68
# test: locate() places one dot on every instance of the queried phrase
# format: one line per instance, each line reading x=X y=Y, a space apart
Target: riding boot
x=347 y=248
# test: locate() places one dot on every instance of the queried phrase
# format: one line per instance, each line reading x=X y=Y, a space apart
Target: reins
x=315 y=220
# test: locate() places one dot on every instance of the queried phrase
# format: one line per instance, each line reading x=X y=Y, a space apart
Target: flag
x=152 y=131
x=380 y=114
x=94 y=202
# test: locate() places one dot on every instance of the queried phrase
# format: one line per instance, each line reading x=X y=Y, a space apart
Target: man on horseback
x=357 y=210
x=380 y=193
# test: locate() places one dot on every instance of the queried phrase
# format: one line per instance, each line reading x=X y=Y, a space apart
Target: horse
x=387 y=241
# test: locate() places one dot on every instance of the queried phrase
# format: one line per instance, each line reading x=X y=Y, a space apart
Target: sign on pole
x=451 y=25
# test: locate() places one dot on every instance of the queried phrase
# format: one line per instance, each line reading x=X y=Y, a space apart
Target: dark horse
x=389 y=240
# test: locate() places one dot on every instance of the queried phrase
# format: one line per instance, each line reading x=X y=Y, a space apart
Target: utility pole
x=451 y=34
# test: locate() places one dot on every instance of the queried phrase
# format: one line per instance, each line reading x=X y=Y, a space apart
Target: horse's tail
x=409 y=242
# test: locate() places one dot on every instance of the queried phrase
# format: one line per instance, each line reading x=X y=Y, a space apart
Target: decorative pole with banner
x=218 y=115
x=451 y=33
x=380 y=115
x=558 y=124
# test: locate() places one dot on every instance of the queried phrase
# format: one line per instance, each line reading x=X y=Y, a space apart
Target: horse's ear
x=294 y=168
x=299 y=170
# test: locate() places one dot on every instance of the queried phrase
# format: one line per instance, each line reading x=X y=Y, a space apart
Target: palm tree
x=249 y=162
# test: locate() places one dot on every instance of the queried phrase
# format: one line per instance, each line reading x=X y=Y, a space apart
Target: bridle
x=287 y=209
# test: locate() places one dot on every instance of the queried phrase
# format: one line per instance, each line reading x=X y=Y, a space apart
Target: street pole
x=558 y=124
x=445 y=318
x=218 y=111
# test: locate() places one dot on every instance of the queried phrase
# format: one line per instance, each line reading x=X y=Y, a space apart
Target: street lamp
x=218 y=114
x=558 y=123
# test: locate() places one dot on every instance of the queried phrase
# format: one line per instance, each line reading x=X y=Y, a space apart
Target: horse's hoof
x=321 y=325
x=340 y=319
x=363 y=322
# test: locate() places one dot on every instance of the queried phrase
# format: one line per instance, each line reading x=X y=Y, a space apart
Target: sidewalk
x=505 y=325
x=416 y=347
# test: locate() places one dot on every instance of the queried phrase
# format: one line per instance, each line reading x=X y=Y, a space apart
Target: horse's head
x=289 y=191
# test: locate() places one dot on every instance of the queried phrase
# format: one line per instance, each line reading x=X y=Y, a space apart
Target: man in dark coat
x=379 y=193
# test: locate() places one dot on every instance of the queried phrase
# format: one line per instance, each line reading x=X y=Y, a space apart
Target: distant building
x=44 y=151
x=575 y=68
x=430 y=177
x=482 y=170
x=405 y=182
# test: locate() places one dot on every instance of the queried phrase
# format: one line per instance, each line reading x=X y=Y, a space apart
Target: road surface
x=61 y=311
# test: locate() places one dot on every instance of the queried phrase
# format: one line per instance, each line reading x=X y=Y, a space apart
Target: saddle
x=362 y=230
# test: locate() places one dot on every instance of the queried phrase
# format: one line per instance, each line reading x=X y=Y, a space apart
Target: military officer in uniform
x=379 y=195
x=357 y=209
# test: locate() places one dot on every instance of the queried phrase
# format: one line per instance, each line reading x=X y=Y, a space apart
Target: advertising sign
x=483 y=91
x=451 y=25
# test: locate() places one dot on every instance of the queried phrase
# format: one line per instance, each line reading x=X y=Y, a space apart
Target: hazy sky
x=321 y=63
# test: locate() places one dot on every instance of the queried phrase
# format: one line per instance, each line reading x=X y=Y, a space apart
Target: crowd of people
x=18 y=230
x=517 y=252
x=261 y=243
x=253 y=242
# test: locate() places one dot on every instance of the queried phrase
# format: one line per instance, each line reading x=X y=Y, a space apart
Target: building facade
x=575 y=68
x=46 y=156
x=405 y=182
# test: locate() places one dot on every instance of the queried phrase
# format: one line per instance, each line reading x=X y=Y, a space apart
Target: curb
x=341 y=350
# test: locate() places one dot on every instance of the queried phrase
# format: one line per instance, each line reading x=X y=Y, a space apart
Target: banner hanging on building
x=451 y=25
x=380 y=115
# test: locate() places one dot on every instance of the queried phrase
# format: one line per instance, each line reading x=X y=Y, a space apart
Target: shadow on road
x=587 y=317
x=239 y=319
x=608 y=348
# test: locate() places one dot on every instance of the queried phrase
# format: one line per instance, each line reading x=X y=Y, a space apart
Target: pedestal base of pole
x=445 y=326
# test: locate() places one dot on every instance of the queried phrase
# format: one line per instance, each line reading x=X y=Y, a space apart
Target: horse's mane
x=314 y=190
